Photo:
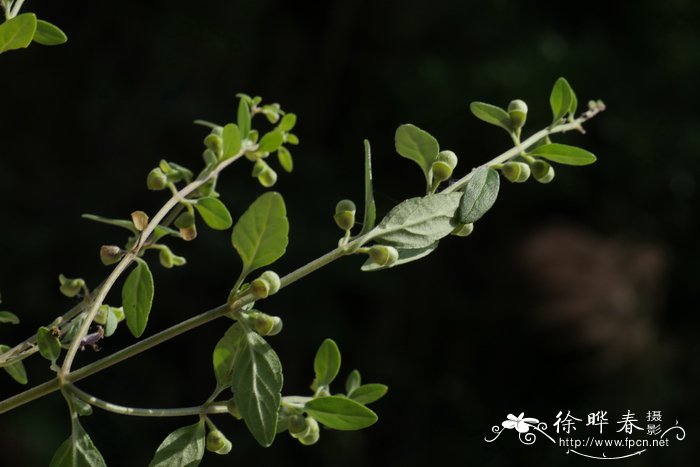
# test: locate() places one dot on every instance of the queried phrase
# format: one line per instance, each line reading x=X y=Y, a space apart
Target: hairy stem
x=212 y=408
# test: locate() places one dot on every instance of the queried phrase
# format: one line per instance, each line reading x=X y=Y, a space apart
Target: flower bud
x=260 y=288
x=267 y=178
x=140 y=220
x=215 y=144
x=233 y=409
x=273 y=281
x=384 y=255
x=184 y=220
x=110 y=254
x=345 y=214
x=448 y=157
x=70 y=287
x=441 y=171
x=463 y=230
x=314 y=432
x=218 y=443
x=189 y=233
x=542 y=171
x=517 y=110
x=297 y=426
x=168 y=259
x=156 y=180
x=264 y=324
x=516 y=172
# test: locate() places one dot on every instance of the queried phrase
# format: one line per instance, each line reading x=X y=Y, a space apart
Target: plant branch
x=213 y=408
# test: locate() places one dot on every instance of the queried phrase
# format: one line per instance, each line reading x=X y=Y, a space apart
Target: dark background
x=579 y=295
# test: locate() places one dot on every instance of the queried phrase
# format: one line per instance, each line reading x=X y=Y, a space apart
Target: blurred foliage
x=82 y=125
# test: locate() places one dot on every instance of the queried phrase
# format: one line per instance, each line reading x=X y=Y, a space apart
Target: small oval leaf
x=231 y=136
x=326 y=363
x=48 y=34
x=78 y=450
x=287 y=122
x=8 y=317
x=261 y=234
x=225 y=355
x=257 y=384
x=561 y=99
x=137 y=298
x=16 y=370
x=17 y=33
x=183 y=447
x=285 y=159
x=418 y=145
x=270 y=141
x=491 y=114
x=214 y=213
x=368 y=393
x=340 y=413
x=243 y=117
x=563 y=154
x=49 y=345
x=479 y=195
x=418 y=222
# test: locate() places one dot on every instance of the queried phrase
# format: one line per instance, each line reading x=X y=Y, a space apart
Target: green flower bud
x=384 y=255
x=517 y=110
x=542 y=171
x=140 y=220
x=345 y=214
x=110 y=254
x=314 y=432
x=298 y=427
x=463 y=230
x=441 y=171
x=264 y=324
x=516 y=172
x=215 y=144
x=273 y=280
x=449 y=157
x=156 y=180
x=189 y=233
x=70 y=287
x=184 y=220
x=260 y=288
x=168 y=259
x=259 y=167
x=267 y=178
x=218 y=443
x=233 y=409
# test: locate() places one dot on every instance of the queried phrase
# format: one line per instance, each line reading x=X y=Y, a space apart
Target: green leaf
x=111 y=323
x=17 y=33
x=285 y=159
x=561 y=99
x=256 y=384
x=159 y=232
x=231 y=136
x=7 y=317
x=368 y=393
x=479 y=195
x=287 y=122
x=48 y=34
x=261 y=234
x=225 y=355
x=340 y=413
x=418 y=145
x=270 y=141
x=137 y=297
x=183 y=447
x=214 y=213
x=49 y=345
x=243 y=118
x=78 y=450
x=563 y=154
x=491 y=114
x=370 y=216
x=16 y=370
x=326 y=364
x=353 y=381
x=418 y=222
x=406 y=255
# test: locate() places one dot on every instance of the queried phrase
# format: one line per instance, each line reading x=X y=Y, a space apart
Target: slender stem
x=15 y=8
x=217 y=407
